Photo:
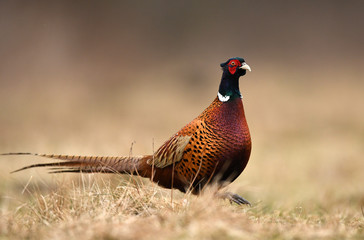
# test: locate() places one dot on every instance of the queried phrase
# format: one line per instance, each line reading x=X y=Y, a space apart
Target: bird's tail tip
x=17 y=153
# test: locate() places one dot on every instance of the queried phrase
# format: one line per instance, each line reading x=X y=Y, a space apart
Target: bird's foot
x=232 y=197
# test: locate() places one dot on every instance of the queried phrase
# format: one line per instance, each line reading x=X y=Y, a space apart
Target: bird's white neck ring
x=222 y=98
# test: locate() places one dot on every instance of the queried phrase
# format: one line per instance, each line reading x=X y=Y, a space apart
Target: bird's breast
x=232 y=132
x=220 y=147
x=228 y=121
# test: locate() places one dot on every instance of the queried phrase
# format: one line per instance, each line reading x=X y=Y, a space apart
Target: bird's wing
x=172 y=150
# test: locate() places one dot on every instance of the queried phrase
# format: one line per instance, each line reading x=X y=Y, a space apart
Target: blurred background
x=114 y=77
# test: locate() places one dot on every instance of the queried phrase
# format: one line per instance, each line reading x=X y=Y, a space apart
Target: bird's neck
x=229 y=87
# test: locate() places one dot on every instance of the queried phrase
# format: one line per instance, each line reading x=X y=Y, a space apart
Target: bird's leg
x=232 y=197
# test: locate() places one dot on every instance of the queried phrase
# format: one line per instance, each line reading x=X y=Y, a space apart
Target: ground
x=304 y=179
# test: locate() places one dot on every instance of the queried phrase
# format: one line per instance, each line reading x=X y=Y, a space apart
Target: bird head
x=235 y=66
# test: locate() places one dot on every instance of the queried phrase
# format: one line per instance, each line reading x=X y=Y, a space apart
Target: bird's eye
x=232 y=63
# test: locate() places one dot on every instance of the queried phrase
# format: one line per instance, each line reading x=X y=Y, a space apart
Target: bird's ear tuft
x=224 y=63
x=240 y=59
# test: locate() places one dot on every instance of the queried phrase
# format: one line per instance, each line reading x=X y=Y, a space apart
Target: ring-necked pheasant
x=213 y=148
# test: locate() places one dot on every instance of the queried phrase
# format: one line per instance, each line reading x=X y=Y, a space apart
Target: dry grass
x=94 y=78
x=100 y=210
x=305 y=178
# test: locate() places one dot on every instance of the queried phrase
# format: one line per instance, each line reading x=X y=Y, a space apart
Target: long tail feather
x=89 y=164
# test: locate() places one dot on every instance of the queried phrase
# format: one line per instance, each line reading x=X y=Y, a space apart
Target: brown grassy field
x=120 y=77
x=305 y=177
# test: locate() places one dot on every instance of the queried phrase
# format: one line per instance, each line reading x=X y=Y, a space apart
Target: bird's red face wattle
x=233 y=65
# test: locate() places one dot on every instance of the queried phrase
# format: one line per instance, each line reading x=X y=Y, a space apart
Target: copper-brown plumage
x=213 y=148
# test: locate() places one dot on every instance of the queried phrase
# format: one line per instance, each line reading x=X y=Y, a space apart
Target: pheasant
x=213 y=148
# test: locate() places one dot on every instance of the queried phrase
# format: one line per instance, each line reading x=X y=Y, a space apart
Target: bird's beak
x=245 y=67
